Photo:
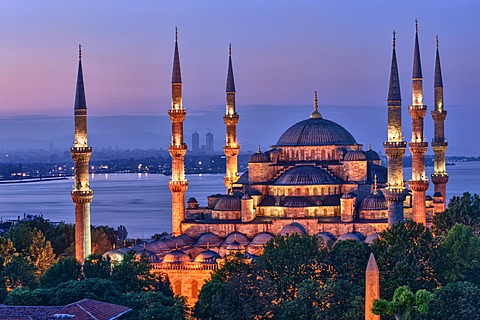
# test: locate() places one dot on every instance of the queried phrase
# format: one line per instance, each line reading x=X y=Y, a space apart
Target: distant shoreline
x=29 y=180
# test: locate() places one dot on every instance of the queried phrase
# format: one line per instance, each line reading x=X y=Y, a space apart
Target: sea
x=142 y=202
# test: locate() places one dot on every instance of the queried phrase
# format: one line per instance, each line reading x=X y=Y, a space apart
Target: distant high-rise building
x=209 y=143
x=195 y=143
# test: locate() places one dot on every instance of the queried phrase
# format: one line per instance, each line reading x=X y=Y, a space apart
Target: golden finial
x=316 y=100
x=315 y=113
x=176 y=33
x=79 y=51
x=145 y=245
x=230 y=50
x=208 y=245
x=375 y=183
x=176 y=246
x=258 y=149
x=369 y=146
x=416 y=25
x=394 y=38
x=436 y=41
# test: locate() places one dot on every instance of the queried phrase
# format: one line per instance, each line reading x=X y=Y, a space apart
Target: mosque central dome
x=315 y=132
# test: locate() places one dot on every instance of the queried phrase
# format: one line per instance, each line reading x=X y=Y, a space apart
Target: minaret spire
x=439 y=145
x=231 y=148
x=179 y=184
x=395 y=146
x=81 y=152
x=418 y=145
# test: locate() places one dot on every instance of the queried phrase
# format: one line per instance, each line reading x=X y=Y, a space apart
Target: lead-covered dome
x=176 y=256
x=372 y=155
x=228 y=203
x=302 y=175
x=293 y=228
x=316 y=132
x=259 y=157
x=207 y=256
x=355 y=155
x=374 y=201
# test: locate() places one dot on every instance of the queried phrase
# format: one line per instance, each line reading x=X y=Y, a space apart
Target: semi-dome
x=293 y=228
x=372 y=155
x=374 y=201
x=348 y=236
x=355 y=155
x=315 y=132
x=176 y=256
x=236 y=236
x=208 y=238
x=261 y=239
x=207 y=256
x=228 y=203
x=297 y=202
x=303 y=175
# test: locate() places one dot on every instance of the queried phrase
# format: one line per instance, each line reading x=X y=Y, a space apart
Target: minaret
x=395 y=146
x=231 y=148
x=418 y=146
x=178 y=185
x=372 y=287
x=439 y=145
x=81 y=152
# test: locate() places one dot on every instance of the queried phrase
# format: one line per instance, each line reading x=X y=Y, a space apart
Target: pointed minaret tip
x=176 y=73
x=372 y=264
x=80 y=51
x=417 y=64
x=394 y=86
x=230 y=79
x=394 y=44
x=438 y=81
x=80 y=101
x=315 y=114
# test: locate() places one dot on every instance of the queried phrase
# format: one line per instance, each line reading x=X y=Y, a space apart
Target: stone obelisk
x=372 y=287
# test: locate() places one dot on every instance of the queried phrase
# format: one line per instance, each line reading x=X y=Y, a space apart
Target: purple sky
x=282 y=52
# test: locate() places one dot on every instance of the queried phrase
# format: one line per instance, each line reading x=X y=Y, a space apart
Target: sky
x=282 y=52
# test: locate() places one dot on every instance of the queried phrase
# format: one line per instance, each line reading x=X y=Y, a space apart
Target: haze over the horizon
x=282 y=52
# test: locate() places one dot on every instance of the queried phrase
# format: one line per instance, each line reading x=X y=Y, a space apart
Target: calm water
x=142 y=202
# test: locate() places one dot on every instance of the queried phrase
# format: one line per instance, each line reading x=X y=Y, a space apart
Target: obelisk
x=372 y=287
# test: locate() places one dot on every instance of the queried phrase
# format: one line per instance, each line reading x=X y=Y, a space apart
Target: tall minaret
x=439 y=145
x=81 y=152
x=418 y=145
x=178 y=185
x=395 y=146
x=231 y=148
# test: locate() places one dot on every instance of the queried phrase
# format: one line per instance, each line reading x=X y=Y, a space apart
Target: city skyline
x=281 y=55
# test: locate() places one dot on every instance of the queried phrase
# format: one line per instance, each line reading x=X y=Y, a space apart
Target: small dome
x=235 y=246
x=355 y=155
x=349 y=195
x=114 y=255
x=261 y=239
x=150 y=255
x=348 y=236
x=315 y=132
x=243 y=178
x=372 y=237
x=176 y=256
x=259 y=157
x=208 y=238
x=246 y=196
x=372 y=155
x=125 y=250
x=157 y=246
x=437 y=194
x=207 y=256
x=192 y=200
x=228 y=203
x=304 y=175
x=293 y=228
x=325 y=237
x=236 y=236
x=428 y=197
x=374 y=201
x=296 y=202
x=183 y=238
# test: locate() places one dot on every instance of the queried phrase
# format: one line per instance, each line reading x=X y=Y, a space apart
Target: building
x=195 y=143
x=209 y=143
x=316 y=179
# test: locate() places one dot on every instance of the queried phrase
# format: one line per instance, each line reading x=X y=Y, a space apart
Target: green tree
x=64 y=270
x=40 y=252
x=403 y=304
x=96 y=267
x=154 y=305
x=100 y=242
x=19 y=272
x=404 y=256
x=96 y=289
x=133 y=275
x=23 y=296
x=464 y=210
x=6 y=250
x=63 y=239
x=455 y=301
x=458 y=256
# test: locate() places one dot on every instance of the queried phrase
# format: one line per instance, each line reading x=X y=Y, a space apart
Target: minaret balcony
x=438 y=115
x=230 y=119
x=82 y=196
x=418 y=145
x=177 y=115
x=418 y=185
x=178 y=185
x=440 y=178
x=394 y=144
x=177 y=150
x=439 y=143
x=81 y=149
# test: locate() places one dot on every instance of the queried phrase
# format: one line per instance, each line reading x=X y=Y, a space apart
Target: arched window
x=194 y=289
x=177 y=287
x=315 y=191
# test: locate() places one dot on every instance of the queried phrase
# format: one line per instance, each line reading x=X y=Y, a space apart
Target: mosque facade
x=316 y=179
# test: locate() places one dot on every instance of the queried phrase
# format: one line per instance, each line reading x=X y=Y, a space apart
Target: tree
x=133 y=275
x=96 y=289
x=6 y=250
x=121 y=233
x=19 y=272
x=404 y=302
x=154 y=305
x=455 y=301
x=96 y=267
x=464 y=210
x=458 y=256
x=40 y=252
x=100 y=242
x=404 y=255
x=64 y=270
